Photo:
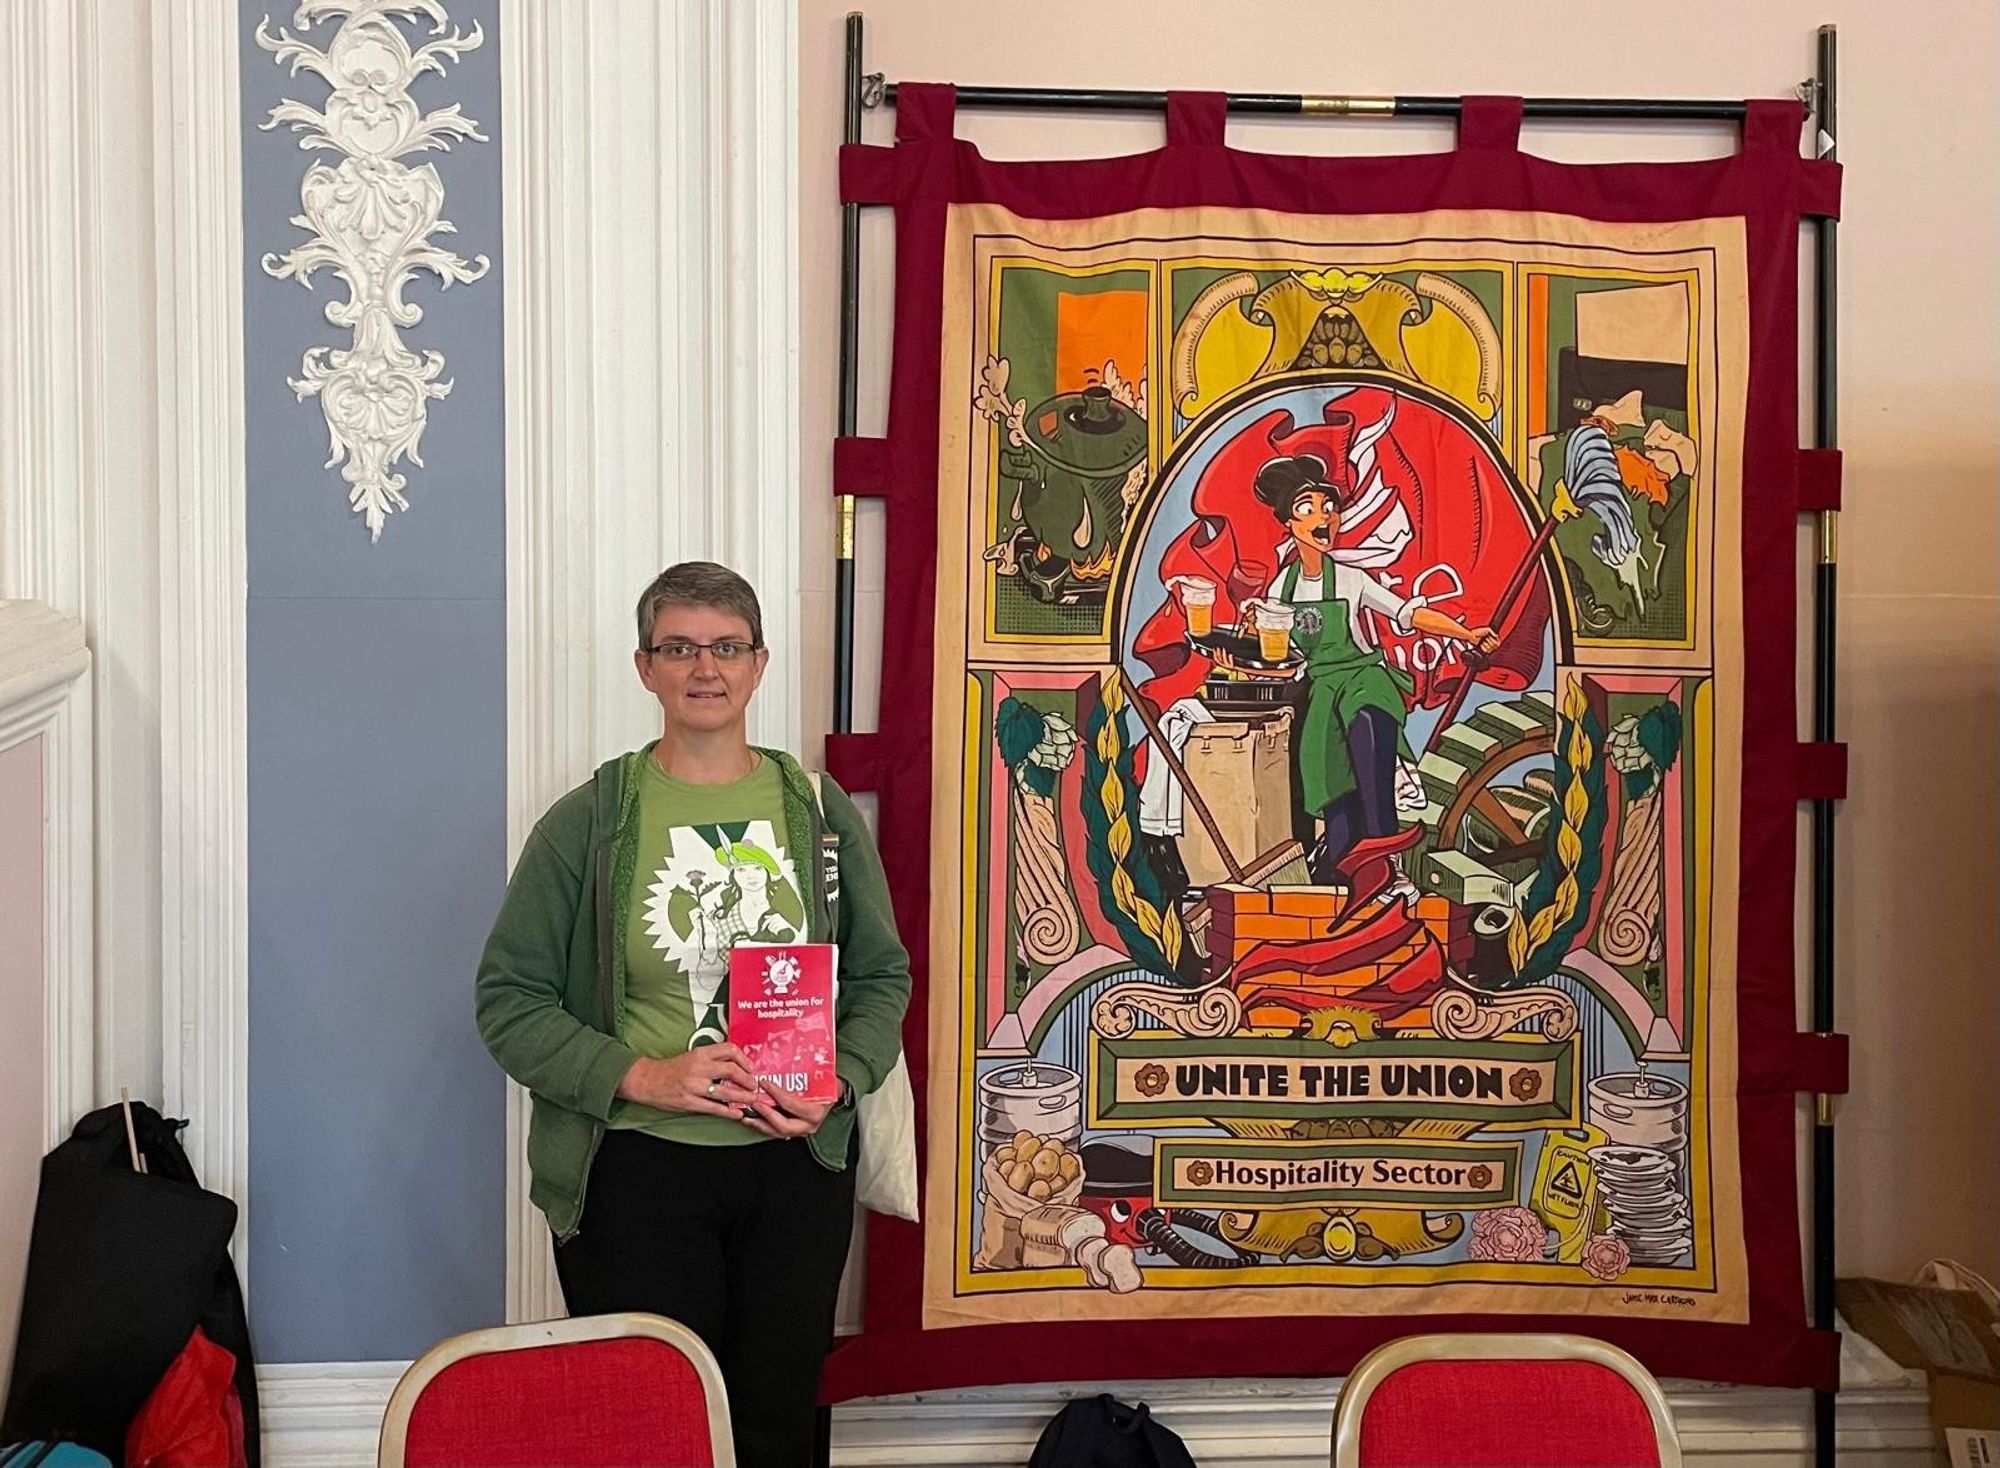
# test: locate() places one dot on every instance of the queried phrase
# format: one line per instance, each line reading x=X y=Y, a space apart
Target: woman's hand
x=1437 y=624
x=710 y=1080
x=776 y=1112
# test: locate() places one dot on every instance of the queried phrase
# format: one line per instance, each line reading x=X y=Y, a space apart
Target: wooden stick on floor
x=131 y=1136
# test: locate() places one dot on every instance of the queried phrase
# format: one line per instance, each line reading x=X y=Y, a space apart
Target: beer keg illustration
x=1640 y=1110
x=1033 y=1096
x=1642 y=1166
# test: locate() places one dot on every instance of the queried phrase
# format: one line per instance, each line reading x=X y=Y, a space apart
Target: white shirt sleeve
x=1362 y=590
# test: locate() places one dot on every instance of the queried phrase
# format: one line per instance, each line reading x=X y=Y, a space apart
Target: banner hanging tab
x=926 y=112
x=1820 y=474
x=1772 y=125
x=1196 y=119
x=861 y=467
x=1819 y=1064
x=1822 y=770
x=867 y=174
x=1819 y=188
x=1492 y=123
x=854 y=760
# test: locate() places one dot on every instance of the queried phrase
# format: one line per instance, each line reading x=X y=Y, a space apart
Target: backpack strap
x=829 y=852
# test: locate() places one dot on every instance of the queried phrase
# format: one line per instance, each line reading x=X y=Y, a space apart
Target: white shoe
x=1409 y=787
x=1400 y=886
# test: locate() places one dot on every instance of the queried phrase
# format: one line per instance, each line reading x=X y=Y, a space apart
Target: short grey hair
x=700 y=584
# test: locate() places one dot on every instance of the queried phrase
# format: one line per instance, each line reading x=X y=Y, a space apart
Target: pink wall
x=21 y=1058
x=1920 y=561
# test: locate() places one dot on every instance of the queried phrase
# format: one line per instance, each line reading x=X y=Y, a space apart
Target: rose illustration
x=1151 y=1080
x=1525 y=1084
x=1479 y=1178
x=1200 y=1174
x=1507 y=1236
x=1607 y=1256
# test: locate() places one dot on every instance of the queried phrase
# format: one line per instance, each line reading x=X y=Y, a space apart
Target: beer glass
x=1198 y=601
x=1274 y=631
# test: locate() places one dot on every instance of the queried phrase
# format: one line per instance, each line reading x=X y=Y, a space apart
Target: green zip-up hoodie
x=551 y=983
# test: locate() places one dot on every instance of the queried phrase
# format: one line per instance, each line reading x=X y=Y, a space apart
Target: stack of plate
x=1648 y=1211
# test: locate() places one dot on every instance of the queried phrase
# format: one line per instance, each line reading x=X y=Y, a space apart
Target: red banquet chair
x=595 y=1392
x=1502 y=1401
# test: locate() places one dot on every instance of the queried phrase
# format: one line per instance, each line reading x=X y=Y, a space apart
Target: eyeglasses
x=726 y=650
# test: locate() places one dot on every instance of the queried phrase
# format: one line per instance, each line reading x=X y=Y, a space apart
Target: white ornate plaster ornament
x=372 y=217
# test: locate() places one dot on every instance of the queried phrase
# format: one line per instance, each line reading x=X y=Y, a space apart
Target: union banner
x=1324 y=750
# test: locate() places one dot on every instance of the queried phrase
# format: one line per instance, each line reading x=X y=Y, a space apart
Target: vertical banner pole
x=850 y=295
x=843 y=535
x=1826 y=435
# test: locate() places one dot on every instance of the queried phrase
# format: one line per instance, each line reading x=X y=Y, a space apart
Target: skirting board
x=326 y=1416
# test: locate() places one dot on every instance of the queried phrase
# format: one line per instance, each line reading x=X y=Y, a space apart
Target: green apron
x=1342 y=678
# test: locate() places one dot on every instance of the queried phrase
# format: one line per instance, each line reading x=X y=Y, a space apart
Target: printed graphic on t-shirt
x=720 y=885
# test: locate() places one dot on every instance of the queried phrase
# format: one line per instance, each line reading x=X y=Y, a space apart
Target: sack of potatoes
x=1023 y=1174
x=1031 y=1170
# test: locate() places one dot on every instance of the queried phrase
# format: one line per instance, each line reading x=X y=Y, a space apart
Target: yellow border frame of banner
x=1722 y=240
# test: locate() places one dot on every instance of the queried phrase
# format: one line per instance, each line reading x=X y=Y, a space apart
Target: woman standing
x=672 y=1182
x=1351 y=735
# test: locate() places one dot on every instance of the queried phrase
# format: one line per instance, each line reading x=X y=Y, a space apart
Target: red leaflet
x=781 y=1003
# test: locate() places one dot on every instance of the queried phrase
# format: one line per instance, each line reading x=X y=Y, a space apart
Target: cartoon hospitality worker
x=1351 y=736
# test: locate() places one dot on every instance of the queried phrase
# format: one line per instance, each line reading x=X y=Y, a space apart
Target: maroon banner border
x=1764 y=183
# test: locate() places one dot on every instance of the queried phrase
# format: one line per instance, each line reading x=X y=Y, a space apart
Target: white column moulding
x=650 y=179
x=44 y=690
x=204 y=964
x=45 y=696
x=78 y=515
x=40 y=433
x=116 y=499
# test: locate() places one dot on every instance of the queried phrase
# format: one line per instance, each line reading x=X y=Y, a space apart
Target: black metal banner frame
x=1826 y=435
x=867 y=90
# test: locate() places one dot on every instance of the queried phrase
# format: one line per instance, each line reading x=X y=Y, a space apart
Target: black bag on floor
x=1103 y=1432
x=122 y=1266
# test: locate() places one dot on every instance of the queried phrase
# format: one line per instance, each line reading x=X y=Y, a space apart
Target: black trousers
x=744 y=1246
x=1368 y=810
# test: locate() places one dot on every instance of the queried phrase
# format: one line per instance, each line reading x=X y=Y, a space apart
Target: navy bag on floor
x=1103 y=1432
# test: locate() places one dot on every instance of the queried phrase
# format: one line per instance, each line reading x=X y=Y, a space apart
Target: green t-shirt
x=711 y=871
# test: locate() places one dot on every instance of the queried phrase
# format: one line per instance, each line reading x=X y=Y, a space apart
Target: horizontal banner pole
x=1663 y=109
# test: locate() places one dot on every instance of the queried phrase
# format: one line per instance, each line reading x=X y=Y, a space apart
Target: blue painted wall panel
x=377 y=782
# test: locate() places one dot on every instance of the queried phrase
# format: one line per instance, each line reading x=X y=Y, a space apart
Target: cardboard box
x=1949 y=1335
x=1966 y=1414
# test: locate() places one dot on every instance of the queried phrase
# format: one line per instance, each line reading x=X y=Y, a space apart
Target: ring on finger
x=710 y=1091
